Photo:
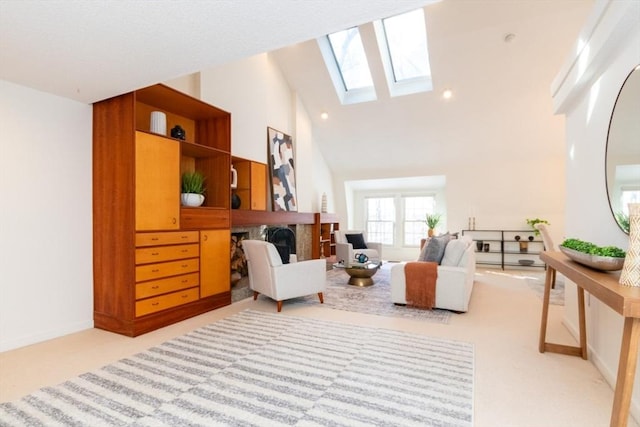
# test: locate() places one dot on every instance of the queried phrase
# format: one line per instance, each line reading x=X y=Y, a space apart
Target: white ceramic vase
x=191 y=199
x=158 y=123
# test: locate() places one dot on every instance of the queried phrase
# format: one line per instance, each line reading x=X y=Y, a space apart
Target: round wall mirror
x=622 y=160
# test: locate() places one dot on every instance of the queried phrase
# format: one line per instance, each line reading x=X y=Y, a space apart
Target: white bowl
x=191 y=199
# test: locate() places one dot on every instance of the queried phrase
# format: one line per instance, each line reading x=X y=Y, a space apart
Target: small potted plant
x=192 y=189
x=432 y=222
x=534 y=221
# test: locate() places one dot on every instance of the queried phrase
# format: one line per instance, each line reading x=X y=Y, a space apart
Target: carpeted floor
x=374 y=299
x=268 y=369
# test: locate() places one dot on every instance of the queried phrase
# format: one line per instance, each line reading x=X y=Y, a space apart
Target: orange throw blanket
x=420 y=279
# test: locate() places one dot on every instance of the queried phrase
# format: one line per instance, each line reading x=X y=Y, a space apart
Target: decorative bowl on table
x=604 y=263
x=526 y=261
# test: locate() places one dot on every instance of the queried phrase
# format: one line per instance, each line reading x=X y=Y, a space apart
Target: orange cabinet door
x=215 y=262
x=157 y=186
x=258 y=186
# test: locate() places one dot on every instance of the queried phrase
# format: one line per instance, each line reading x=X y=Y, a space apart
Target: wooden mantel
x=245 y=218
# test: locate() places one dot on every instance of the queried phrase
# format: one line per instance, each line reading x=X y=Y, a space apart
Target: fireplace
x=284 y=239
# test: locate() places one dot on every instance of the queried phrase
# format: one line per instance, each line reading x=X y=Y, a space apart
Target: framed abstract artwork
x=282 y=176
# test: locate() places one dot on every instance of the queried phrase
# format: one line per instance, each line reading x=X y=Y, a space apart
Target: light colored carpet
x=535 y=281
x=374 y=299
x=268 y=369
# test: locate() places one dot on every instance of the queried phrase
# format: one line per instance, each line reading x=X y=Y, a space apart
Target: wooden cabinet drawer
x=166 y=238
x=164 y=286
x=166 y=253
x=163 y=302
x=166 y=269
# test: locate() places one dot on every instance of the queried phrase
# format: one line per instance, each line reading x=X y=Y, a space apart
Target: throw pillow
x=454 y=251
x=357 y=240
x=435 y=248
x=423 y=251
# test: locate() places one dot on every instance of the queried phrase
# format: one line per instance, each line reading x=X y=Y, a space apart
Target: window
x=627 y=196
x=402 y=40
x=416 y=209
x=381 y=215
x=346 y=61
x=350 y=58
x=406 y=39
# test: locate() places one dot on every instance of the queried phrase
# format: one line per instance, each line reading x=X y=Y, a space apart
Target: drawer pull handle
x=155 y=270
x=155 y=287
x=173 y=220
x=184 y=251
x=185 y=296
x=184 y=237
x=155 y=238
x=185 y=265
x=155 y=253
x=155 y=304
x=185 y=281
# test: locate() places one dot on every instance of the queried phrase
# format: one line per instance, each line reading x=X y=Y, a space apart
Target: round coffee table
x=360 y=274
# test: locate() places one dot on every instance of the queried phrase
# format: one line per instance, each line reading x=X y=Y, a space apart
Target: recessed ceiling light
x=447 y=93
x=508 y=38
x=324 y=115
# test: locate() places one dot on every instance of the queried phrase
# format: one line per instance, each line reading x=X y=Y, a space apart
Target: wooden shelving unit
x=156 y=262
x=324 y=246
x=502 y=248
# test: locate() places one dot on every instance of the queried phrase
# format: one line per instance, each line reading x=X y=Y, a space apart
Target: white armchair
x=269 y=276
x=345 y=251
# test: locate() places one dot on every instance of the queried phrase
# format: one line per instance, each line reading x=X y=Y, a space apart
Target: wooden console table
x=623 y=299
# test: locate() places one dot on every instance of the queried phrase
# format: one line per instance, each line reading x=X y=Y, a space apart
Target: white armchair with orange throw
x=456 y=267
x=269 y=276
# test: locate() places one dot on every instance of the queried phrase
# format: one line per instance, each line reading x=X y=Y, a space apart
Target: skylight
x=346 y=61
x=402 y=40
x=406 y=38
x=350 y=58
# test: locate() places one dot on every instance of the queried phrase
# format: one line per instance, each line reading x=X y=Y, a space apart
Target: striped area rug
x=268 y=369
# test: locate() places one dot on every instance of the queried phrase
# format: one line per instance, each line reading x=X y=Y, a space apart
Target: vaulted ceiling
x=92 y=50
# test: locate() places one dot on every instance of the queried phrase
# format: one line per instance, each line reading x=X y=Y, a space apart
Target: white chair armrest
x=300 y=278
x=344 y=252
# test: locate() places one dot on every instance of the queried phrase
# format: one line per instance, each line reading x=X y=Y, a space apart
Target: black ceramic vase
x=235 y=201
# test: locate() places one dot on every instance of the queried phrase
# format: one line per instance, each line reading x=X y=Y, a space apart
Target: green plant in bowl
x=606 y=258
x=590 y=248
x=193 y=182
x=192 y=189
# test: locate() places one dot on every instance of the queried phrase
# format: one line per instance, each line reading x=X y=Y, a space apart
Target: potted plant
x=534 y=221
x=192 y=189
x=432 y=221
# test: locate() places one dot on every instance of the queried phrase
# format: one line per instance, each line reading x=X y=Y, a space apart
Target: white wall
x=257 y=95
x=585 y=92
x=46 y=265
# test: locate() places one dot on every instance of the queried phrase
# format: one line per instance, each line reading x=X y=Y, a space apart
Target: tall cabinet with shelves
x=156 y=262
x=507 y=248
